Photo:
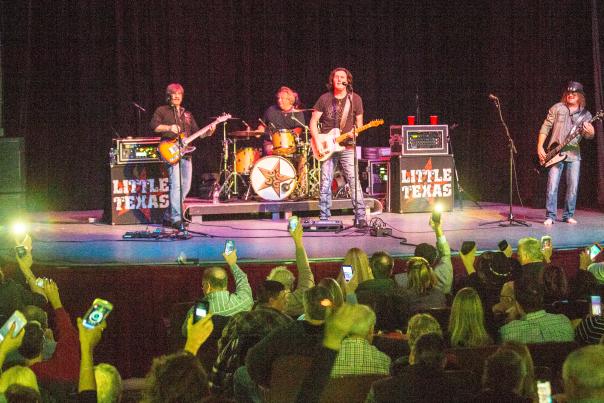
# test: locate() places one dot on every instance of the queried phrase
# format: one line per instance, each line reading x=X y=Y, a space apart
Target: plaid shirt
x=358 y=357
x=225 y=303
x=538 y=327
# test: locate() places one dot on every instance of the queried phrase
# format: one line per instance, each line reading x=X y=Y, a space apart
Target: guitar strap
x=345 y=112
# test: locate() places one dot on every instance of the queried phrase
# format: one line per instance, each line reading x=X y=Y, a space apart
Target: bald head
x=214 y=279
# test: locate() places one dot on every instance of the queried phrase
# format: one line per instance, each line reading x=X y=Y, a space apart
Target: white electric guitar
x=325 y=144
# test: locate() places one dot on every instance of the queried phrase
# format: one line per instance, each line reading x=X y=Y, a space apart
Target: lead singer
x=339 y=108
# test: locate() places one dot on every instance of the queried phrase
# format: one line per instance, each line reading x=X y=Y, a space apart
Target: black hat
x=574 y=86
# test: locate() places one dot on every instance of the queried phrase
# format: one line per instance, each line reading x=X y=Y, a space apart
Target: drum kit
x=281 y=169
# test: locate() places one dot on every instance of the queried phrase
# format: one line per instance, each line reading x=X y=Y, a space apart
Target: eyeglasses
x=506 y=298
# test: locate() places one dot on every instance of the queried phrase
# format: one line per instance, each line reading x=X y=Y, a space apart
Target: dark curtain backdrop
x=71 y=70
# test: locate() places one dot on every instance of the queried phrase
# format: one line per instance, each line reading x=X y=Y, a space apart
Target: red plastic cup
x=433 y=119
x=410 y=120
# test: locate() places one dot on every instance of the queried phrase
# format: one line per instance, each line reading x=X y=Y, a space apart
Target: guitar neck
x=344 y=136
x=199 y=133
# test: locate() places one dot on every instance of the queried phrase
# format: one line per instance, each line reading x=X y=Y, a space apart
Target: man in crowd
x=583 y=375
x=535 y=325
x=293 y=303
x=439 y=258
x=530 y=257
x=357 y=356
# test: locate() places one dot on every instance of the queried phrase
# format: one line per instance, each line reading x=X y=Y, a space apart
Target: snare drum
x=284 y=142
x=245 y=160
x=273 y=178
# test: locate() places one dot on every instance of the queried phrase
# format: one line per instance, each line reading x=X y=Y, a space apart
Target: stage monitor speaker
x=418 y=182
x=12 y=164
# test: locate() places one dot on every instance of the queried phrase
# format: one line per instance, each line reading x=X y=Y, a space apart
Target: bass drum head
x=273 y=178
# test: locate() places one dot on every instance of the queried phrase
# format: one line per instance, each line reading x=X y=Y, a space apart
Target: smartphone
x=503 y=245
x=544 y=391
x=436 y=215
x=40 y=282
x=21 y=251
x=467 y=246
x=596 y=305
x=594 y=250
x=18 y=319
x=229 y=247
x=97 y=313
x=200 y=311
x=546 y=241
x=347 y=271
x=293 y=223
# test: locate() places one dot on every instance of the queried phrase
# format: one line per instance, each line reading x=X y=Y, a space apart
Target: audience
x=294 y=306
x=357 y=356
x=466 y=322
x=333 y=287
x=503 y=378
x=16 y=393
x=529 y=386
x=597 y=269
x=535 y=325
x=531 y=257
x=438 y=257
x=361 y=272
x=421 y=290
x=14 y=295
x=583 y=375
x=584 y=284
x=381 y=264
x=555 y=284
x=493 y=270
x=590 y=330
x=108 y=383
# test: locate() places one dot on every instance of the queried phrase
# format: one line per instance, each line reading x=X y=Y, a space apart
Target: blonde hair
x=421 y=324
x=466 y=322
x=528 y=388
x=421 y=278
x=292 y=95
x=361 y=271
x=19 y=375
x=283 y=275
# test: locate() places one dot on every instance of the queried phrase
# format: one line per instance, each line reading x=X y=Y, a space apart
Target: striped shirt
x=225 y=303
x=358 y=357
x=590 y=330
x=538 y=327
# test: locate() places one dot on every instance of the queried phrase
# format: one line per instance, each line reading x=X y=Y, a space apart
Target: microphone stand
x=510 y=221
x=182 y=229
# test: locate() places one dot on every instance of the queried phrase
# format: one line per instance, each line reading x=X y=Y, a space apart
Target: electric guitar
x=325 y=144
x=170 y=151
x=553 y=154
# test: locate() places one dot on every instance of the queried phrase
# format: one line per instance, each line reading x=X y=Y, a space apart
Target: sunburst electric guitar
x=325 y=144
x=554 y=153
x=170 y=151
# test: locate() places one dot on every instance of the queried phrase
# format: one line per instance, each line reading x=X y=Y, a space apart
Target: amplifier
x=373 y=176
x=420 y=139
x=139 y=150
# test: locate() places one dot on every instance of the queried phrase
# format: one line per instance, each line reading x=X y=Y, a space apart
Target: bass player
x=342 y=109
x=560 y=120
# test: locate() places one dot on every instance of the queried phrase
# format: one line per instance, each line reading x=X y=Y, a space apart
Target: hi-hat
x=300 y=110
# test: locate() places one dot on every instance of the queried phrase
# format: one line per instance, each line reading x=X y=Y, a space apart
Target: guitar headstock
x=376 y=122
x=223 y=118
x=598 y=116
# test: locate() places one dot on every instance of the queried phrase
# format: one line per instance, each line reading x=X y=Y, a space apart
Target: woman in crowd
x=361 y=271
x=555 y=284
x=466 y=322
x=421 y=292
x=529 y=387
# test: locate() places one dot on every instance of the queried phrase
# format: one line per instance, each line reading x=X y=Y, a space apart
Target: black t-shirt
x=280 y=119
x=332 y=109
x=164 y=115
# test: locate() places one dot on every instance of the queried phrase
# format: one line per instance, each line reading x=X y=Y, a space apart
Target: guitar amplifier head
x=422 y=139
x=137 y=150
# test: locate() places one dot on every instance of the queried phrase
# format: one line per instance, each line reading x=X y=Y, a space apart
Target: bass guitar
x=553 y=152
x=170 y=151
x=325 y=144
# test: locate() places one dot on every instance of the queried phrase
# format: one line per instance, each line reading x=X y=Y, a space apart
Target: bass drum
x=273 y=178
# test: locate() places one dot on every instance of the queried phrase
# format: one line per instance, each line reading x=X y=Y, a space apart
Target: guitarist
x=559 y=121
x=171 y=120
x=340 y=109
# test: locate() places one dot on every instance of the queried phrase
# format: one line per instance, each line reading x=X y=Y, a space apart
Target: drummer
x=279 y=116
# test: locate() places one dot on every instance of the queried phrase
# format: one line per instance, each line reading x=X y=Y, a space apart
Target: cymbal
x=300 y=110
x=231 y=118
x=246 y=133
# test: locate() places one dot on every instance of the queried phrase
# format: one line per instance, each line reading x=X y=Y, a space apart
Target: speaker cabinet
x=12 y=164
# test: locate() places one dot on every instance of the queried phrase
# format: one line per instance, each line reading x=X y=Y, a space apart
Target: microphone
x=263 y=122
x=246 y=125
x=139 y=107
x=493 y=97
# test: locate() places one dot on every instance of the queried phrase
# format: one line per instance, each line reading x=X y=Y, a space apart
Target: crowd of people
x=403 y=329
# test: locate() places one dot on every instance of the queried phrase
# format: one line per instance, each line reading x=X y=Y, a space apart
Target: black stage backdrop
x=72 y=68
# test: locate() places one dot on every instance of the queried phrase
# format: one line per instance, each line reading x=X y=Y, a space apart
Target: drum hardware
x=310 y=184
x=245 y=134
x=230 y=176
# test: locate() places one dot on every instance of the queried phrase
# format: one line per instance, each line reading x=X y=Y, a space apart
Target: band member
x=171 y=120
x=282 y=116
x=340 y=109
x=560 y=119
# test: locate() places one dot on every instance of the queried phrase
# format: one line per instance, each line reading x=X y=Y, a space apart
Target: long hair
x=528 y=388
x=582 y=101
x=361 y=271
x=420 y=324
x=466 y=322
x=421 y=278
x=329 y=84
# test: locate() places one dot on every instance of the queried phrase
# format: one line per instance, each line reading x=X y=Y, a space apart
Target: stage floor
x=68 y=239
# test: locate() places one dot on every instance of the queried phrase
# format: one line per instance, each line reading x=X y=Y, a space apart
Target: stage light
x=436 y=211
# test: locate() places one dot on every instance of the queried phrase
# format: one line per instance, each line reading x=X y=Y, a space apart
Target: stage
x=69 y=239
